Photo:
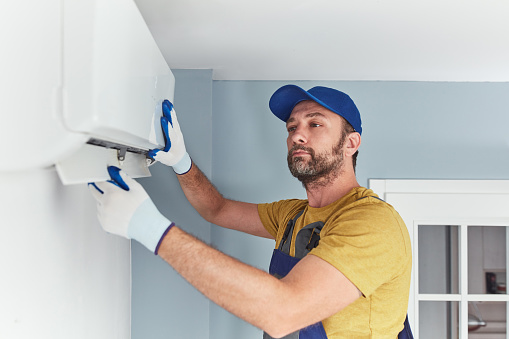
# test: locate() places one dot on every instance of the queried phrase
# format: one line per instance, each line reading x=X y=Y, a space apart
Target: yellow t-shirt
x=368 y=242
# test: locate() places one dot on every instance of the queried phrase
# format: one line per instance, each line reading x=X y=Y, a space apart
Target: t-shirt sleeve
x=268 y=217
x=366 y=244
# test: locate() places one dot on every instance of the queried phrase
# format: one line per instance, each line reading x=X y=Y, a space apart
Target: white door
x=459 y=237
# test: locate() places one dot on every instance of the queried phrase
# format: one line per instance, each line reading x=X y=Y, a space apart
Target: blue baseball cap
x=287 y=97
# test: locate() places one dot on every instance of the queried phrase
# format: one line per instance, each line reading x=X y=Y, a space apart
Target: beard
x=321 y=169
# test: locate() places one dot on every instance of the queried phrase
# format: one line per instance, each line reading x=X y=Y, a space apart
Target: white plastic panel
x=115 y=76
x=76 y=70
x=90 y=164
x=31 y=130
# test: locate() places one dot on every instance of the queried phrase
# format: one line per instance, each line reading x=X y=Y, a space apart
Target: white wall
x=62 y=276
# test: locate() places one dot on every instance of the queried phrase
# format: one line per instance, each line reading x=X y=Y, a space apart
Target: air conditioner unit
x=81 y=88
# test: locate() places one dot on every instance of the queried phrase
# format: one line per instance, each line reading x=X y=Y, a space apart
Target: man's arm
x=199 y=191
x=213 y=207
x=311 y=292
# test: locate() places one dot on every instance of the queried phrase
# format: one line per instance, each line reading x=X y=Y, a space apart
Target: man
x=355 y=281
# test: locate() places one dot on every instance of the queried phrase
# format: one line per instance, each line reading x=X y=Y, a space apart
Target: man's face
x=315 y=143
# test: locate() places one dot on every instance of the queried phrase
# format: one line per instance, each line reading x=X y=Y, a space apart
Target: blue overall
x=282 y=263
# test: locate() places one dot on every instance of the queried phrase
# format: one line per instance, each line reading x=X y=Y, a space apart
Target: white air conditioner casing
x=77 y=71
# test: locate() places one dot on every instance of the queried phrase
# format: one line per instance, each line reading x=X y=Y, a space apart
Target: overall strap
x=284 y=245
x=307 y=238
x=370 y=196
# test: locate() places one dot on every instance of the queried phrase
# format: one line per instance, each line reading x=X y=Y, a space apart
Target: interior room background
x=411 y=130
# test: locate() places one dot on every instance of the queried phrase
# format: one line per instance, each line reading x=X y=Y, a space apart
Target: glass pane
x=438 y=259
x=438 y=319
x=487 y=259
x=487 y=320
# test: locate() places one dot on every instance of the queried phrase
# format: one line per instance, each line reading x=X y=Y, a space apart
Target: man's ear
x=353 y=142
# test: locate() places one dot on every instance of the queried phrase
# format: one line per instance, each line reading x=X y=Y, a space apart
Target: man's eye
x=291 y=129
x=315 y=125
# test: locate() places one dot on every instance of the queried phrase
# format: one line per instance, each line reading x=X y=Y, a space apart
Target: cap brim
x=286 y=98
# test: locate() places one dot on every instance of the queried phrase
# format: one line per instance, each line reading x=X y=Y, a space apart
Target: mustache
x=302 y=148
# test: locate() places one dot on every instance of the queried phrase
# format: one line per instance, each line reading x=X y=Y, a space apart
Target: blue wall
x=163 y=304
x=410 y=130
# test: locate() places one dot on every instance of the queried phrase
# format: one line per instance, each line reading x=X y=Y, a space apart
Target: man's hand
x=174 y=152
x=125 y=209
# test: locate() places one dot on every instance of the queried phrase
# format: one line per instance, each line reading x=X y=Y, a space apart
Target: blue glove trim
x=152 y=153
x=167 y=108
x=97 y=188
x=166 y=133
x=162 y=237
x=184 y=165
x=147 y=225
x=116 y=179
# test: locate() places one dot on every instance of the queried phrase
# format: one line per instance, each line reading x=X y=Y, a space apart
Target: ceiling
x=433 y=40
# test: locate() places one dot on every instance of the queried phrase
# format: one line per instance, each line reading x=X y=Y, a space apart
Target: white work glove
x=174 y=152
x=125 y=209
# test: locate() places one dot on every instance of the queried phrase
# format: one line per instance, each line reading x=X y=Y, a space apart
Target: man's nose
x=299 y=136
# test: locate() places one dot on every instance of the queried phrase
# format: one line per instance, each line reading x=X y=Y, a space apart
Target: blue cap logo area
x=287 y=97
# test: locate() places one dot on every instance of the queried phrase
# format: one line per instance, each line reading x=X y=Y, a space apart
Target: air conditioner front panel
x=32 y=132
x=115 y=77
x=78 y=70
